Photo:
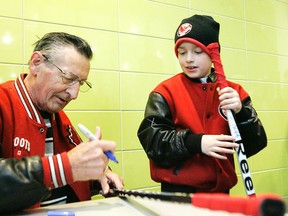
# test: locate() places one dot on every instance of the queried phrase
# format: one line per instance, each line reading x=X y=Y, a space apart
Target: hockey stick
x=263 y=205
x=242 y=159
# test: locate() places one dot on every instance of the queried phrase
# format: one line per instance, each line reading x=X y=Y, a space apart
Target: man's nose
x=73 y=90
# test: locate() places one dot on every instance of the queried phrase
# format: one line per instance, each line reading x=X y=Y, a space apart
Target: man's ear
x=35 y=61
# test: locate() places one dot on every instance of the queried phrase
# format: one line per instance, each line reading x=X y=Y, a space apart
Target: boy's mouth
x=191 y=67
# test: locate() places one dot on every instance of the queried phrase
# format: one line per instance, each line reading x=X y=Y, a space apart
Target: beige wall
x=133 y=51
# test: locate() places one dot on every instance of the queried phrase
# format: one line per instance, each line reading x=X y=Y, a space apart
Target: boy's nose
x=190 y=57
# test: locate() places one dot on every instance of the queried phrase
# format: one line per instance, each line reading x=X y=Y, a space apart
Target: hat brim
x=190 y=40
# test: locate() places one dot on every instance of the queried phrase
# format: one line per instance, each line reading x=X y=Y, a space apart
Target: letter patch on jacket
x=21 y=144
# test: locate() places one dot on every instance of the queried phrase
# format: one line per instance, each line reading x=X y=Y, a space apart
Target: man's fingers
x=104 y=185
x=98 y=133
x=107 y=145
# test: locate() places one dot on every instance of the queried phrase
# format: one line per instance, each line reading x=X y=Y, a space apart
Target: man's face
x=194 y=62
x=52 y=89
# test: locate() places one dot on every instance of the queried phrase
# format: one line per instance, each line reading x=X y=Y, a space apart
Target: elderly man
x=43 y=160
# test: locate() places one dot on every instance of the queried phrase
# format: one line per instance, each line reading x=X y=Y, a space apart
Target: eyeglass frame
x=73 y=80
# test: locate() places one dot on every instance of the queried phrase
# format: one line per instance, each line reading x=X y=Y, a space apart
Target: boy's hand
x=229 y=99
x=218 y=145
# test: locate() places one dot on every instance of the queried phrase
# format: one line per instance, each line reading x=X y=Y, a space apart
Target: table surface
x=116 y=206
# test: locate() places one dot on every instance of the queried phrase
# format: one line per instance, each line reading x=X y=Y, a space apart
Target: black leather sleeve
x=21 y=183
x=251 y=129
x=166 y=146
x=163 y=143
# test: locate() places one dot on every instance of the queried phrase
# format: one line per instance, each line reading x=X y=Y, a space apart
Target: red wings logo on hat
x=184 y=29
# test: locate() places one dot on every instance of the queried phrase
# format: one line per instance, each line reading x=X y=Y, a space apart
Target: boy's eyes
x=181 y=52
x=195 y=51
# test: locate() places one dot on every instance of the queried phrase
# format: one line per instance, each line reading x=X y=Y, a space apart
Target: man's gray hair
x=54 y=40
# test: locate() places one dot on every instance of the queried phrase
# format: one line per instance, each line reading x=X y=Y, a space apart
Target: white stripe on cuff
x=53 y=174
x=61 y=169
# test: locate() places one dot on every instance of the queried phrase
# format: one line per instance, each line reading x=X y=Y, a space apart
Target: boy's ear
x=35 y=60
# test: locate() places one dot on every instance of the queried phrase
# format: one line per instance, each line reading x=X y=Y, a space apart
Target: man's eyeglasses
x=84 y=84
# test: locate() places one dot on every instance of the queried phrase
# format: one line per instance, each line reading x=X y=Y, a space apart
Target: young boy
x=185 y=132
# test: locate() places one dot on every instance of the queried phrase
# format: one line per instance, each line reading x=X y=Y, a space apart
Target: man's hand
x=88 y=161
x=110 y=179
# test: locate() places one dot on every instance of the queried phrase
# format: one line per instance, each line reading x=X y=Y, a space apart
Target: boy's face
x=194 y=62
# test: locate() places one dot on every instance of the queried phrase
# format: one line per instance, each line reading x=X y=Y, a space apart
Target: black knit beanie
x=200 y=30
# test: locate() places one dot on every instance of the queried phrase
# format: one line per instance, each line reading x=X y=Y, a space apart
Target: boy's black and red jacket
x=178 y=113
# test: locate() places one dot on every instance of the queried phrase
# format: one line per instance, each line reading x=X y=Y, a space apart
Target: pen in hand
x=91 y=137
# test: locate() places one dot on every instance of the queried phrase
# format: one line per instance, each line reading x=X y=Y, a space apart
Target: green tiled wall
x=133 y=44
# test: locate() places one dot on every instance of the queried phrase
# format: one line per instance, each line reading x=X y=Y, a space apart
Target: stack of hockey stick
x=242 y=159
x=262 y=205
